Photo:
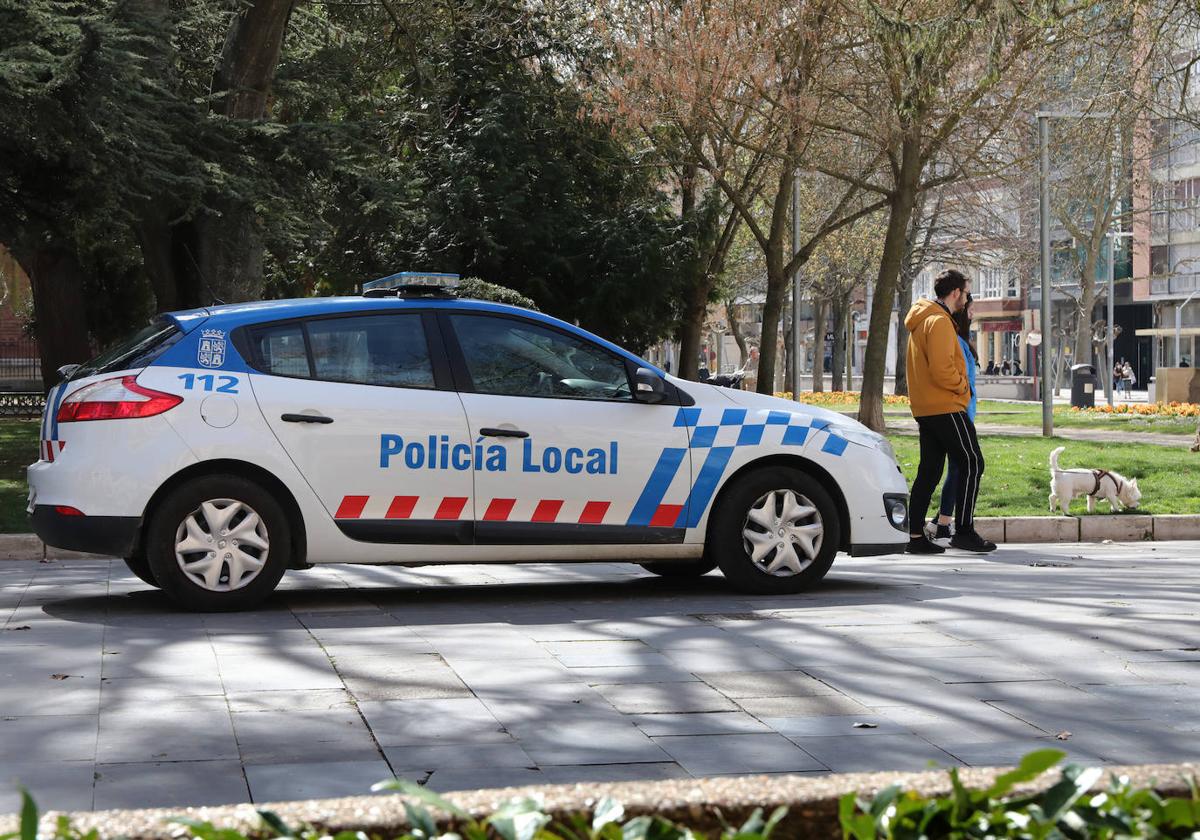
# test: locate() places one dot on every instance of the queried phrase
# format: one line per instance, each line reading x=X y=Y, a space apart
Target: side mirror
x=650 y=386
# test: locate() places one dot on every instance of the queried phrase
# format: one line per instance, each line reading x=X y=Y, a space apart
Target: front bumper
x=115 y=536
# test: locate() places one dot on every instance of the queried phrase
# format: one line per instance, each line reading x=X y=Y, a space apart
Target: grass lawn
x=1030 y=414
x=1016 y=481
x=18 y=449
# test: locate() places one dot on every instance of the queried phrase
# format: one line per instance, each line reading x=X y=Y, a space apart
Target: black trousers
x=947 y=436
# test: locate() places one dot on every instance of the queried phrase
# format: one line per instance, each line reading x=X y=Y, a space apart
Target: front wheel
x=218 y=543
x=776 y=531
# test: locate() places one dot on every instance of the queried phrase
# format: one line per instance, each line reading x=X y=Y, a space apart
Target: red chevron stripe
x=593 y=513
x=351 y=507
x=665 y=516
x=498 y=510
x=451 y=507
x=401 y=507
x=547 y=510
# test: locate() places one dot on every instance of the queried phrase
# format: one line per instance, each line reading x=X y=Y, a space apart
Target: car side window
x=518 y=358
x=388 y=350
x=280 y=350
x=371 y=350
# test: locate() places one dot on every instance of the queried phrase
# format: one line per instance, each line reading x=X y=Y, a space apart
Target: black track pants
x=942 y=436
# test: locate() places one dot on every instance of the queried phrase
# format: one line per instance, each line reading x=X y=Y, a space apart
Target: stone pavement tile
x=518 y=674
x=748 y=658
x=42 y=738
x=596 y=741
x=49 y=697
x=601 y=773
x=388 y=683
x=261 y=673
x=169 y=784
x=34 y=664
x=1007 y=752
x=358 y=623
x=54 y=785
x=314 y=780
x=456 y=756
x=452 y=779
x=284 y=701
x=665 y=697
x=703 y=755
x=269 y=644
x=834 y=725
x=702 y=723
x=767 y=684
x=787 y=706
x=203 y=733
x=457 y=720
x=981 y=669
x=968 y=721
x=297 y=736
x=615 y=675
x=135 y=693
x=160 y=659
x=606 y=654
x=1134 y=742
x=849 y=754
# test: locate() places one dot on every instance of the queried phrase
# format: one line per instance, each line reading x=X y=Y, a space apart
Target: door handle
x=305 y=418
x=517 y=433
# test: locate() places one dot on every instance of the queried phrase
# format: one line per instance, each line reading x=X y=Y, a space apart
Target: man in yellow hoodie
x=939 y=393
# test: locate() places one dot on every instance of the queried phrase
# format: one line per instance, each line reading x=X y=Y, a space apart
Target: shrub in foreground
x=1066 y=810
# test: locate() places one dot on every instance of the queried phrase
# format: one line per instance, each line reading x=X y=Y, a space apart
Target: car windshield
x=134 y=350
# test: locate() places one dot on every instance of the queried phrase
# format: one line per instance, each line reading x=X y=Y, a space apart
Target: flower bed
x=838 y=397
x=1173 y=409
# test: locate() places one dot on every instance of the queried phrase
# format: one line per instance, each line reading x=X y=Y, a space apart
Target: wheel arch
x=804 y=465
x=242 y=469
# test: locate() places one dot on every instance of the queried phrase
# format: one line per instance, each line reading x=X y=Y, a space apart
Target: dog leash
x=1099 y=476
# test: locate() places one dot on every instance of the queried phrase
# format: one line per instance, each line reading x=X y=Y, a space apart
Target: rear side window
x=385 y=350
x=134 y=351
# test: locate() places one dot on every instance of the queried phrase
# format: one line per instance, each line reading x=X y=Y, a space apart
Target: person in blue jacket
x=939 y=526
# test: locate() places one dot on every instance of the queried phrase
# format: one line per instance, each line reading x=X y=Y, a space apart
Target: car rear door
x=568 y=455
x=364 y=406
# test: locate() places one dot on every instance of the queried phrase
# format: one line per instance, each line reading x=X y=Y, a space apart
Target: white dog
x=1065 y=485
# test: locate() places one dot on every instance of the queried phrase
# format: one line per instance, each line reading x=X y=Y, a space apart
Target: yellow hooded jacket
x=937 y=371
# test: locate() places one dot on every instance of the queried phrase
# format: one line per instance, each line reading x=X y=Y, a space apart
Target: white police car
x=220 y=447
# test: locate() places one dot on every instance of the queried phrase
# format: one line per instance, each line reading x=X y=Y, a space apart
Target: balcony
x=1175 y=285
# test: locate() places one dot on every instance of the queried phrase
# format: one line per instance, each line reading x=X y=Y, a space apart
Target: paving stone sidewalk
x=484 y=676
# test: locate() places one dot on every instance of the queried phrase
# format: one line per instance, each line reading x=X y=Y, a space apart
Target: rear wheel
x=218 y=543
x=776 y=531
x=141 y=568
x=683 y=569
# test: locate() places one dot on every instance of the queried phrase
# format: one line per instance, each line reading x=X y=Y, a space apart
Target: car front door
x=566 y=454
x=368 y=414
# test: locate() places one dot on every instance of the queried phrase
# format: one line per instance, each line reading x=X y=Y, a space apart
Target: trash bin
x=1083 y=386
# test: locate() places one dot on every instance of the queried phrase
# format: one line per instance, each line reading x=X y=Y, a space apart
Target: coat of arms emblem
x=211 y=352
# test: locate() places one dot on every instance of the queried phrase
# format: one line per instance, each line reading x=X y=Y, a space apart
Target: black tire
x=186 y=500
x=727 y=545
x=682 y=569
x=141 y=568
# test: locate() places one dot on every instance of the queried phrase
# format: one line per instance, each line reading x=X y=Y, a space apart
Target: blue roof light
x=413 y=278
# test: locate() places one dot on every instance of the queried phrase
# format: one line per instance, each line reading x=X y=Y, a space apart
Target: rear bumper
x=876 y=549
x=115 y=536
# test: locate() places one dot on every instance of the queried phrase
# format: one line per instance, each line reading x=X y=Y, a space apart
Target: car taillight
x=120 y=398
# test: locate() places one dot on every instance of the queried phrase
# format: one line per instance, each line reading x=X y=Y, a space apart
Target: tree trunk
x=840 y=306
x=1087 y=303
x=777 y=282
x=59 y=309
x=691 y=329
x=736 y=329
x=870 y=410
x=905 y=303
x=788 y=361
x=820 y=311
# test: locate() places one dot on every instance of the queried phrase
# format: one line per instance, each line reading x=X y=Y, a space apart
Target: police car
x=217 y=448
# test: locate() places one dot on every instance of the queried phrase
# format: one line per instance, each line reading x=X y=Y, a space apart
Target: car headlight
x=865 y=437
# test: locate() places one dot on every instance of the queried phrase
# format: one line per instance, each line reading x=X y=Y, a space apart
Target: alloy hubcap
x=782 y=533
x=222 y=545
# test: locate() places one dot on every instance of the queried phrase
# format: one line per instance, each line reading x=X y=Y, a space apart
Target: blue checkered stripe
x=734 y=431
x=721 y=439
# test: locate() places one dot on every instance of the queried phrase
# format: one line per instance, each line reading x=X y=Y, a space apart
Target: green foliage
x=473 y=287
x=1065 y=809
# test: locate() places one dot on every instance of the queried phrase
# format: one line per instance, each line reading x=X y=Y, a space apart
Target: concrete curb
x=1121 y=527
x=701 y=804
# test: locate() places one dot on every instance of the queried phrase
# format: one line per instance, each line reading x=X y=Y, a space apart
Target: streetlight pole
x=796 y=388
x=1044 y=177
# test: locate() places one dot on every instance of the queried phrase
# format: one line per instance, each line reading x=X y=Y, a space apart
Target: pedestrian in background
x=1129 y=379
x=939 y=529
x=939 y=393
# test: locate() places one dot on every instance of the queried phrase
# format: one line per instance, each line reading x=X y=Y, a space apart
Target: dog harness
x=1099 y=475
